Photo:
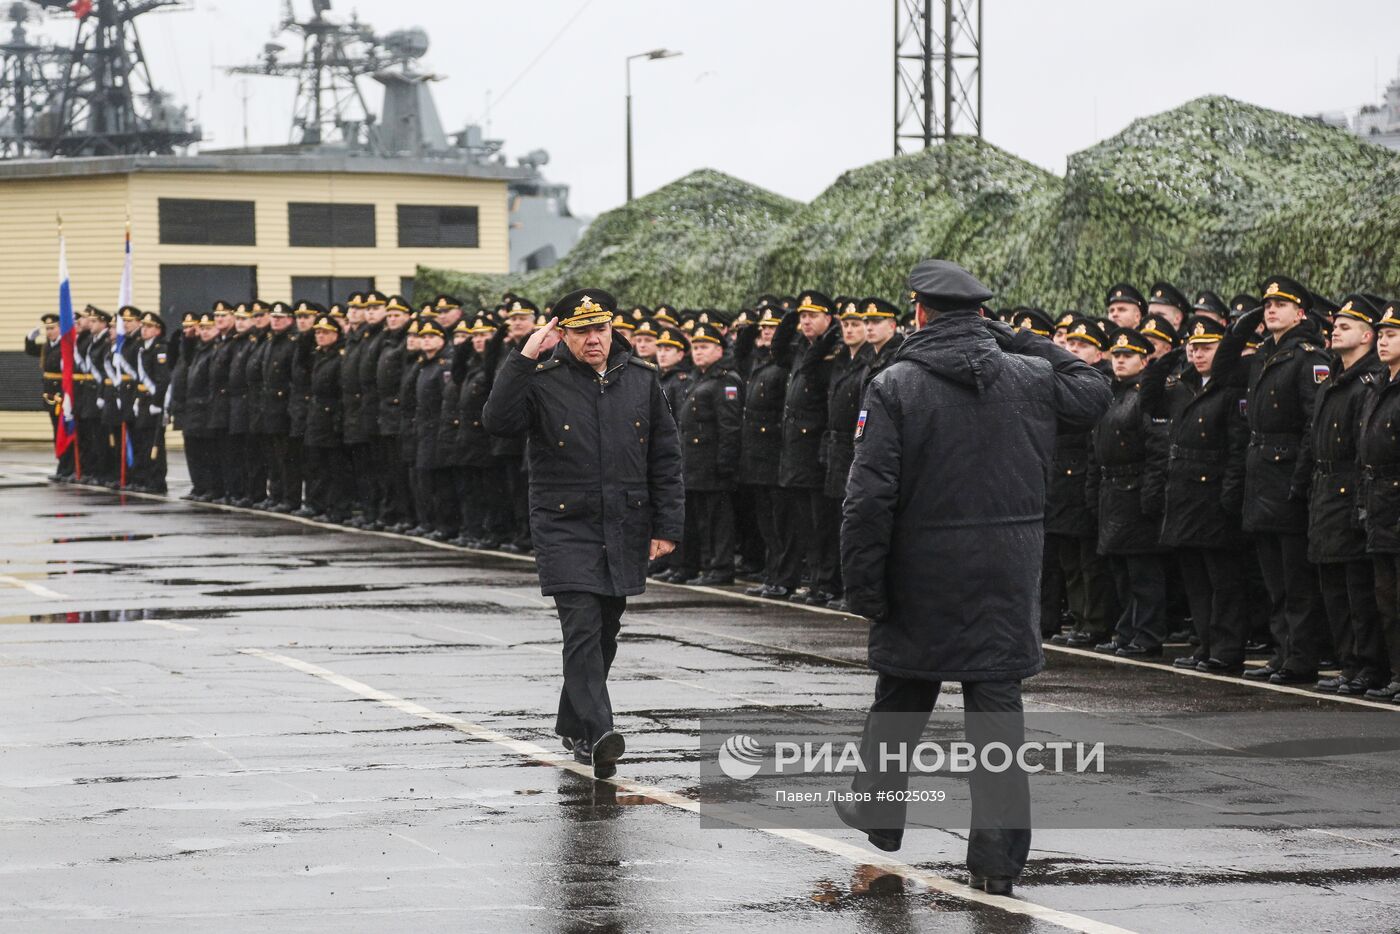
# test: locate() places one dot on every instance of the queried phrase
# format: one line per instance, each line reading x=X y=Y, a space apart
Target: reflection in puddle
x=116 y=616
x=309 y=590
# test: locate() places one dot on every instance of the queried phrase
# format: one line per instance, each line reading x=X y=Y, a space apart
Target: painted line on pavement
x=731 y=595
x=850 y=852
x=166 y=624
x=38 y=590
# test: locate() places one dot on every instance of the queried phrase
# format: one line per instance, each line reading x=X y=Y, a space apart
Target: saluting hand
x=540 y=341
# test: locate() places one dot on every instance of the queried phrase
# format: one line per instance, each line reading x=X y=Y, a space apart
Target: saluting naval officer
x=606 y=494
x=943 y=553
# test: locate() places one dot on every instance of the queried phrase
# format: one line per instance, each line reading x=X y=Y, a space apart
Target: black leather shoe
x=1082 y=640
x=568 y=742
x=1109 y=647
x=1189 y=662
x=1285 y=676
x=1257 y=647
x=607 y=749
x=819 y=598
x=1061 y=638
x=1262 y=673
x=840 y=605
x=511 y=548
x=1330 y=685
x=434 y=536
x=1133 y=650
x=713 y=579
x=774 y=592
x=887 y=840
x=1215 y=666
x=1356 y=687
x=685 y=577
x=995 y=886
x=756 y=590
x=1389 y=692
x=305 y=512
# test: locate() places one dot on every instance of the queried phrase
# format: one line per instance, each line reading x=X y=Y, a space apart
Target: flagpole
x=77 y=441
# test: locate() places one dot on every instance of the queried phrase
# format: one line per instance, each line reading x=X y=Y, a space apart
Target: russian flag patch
x=1320 y=372
x=860 y=423
x=731 y=393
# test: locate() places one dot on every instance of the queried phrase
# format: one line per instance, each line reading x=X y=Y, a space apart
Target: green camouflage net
x=1214 y=194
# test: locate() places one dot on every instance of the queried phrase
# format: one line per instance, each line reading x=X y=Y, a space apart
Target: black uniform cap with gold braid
x=1390 y=316
x=259 y=307
x=244 y=310
x=1068 y=320
x=772 y=316
x=665 y=314
x=585 y=308
x=1160 y=328
x=1360 y=307
x=622 y=323
x=873 y=309
x=326 y=323
x=1125 y=292
x=280 y=310
x=375 y=298
x=706 y=333
x=308 y=309
x=152 y=319
x=397 y=303
x=481 y=324
x=1129 y=340
x=1242 y=304
x=1206 y=300
x=445 y=303
x=462 y=327
x=1164 y=293
x=1203 y=330
x=429 y=328
x=1289 y=290
x=189 y=320
x=672 y=337
x=356 y=300
x=850 y=311
x=1033 y=320
x=814 y=302
x=336 y=311
x=221 y=307
x=1086 y=331
x=521 y=306
x=648 y=327
x=206 y=320
x=413 y=327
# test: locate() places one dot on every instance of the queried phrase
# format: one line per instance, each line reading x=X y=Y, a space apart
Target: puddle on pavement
x=61 y=515
x=309 y=590
x=116 y=616
x=79 y=539
x=866 y=880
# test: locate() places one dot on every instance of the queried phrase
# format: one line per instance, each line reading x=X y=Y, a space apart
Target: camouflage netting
x=1214 y=194
x=693 y=243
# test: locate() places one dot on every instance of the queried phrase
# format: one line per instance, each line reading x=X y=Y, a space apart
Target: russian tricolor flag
x=67 y=339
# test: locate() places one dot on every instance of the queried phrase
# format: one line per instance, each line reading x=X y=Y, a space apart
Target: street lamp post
x=653 y=55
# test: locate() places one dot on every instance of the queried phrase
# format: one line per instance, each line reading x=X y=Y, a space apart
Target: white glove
x=102 y=403
x=153 y=409
x=34 y=334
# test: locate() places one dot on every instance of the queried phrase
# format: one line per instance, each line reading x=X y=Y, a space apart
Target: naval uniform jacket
x=711 y=427
x=1378 y=454
x=152 y=383
x=239 y=347
x=804 y=405
x=844 y=394
x=1282 y=389
x=325 y=413
x=762 y=445
x=352 y=393
x=1066 y=499
x=1335 y=534
x=605 y=465
x=197 y=401
x=388 y=381
x=1125 y=481
x=279 y=372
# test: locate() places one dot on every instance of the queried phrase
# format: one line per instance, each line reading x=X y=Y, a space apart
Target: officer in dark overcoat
x=943 y=553
x=1378 y=455
x=762 y=439
x=606 y=494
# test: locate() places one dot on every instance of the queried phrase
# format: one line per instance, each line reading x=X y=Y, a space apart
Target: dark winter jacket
x=804 y=406
x=239 y=347
x=1126 y=477
x=325 y=413
x=1283 y=387
x=1066 y=503
x=711 y=426
x=762 y=444
x=197 y=403
x=429 y=383
x=943 y=534
x=278 y=367
x=1379 y=457
x=1335 y=534
x=388 y=379
x=844 y=392
x=257 y=376
x=352 y=392
x=605 y=466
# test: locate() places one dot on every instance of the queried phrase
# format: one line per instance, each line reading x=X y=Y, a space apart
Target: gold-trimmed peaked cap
x=1361 y=307
x=1160 y=328
x=706 y=333
x=1129 y=340
x=1290 y=290
x=1390 y=316
x=1203 y=330
x=1125 y=292
x=815 y=302
x=584 y=308
x=519 y=306
x=875 y=308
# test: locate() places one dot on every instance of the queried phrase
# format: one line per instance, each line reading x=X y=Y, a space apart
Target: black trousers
x=1000 y=838
x=365 y=477
x=1387 y=570
x=1087 y=583
x=765 y=510
x=66 y=461
x=393 y=485
x=824 y=560
x=1349 y=597
x=202 y=453
x=1053 y=599
x=793 y=522
x=255 y=467
x=590 y=624
x=495 y=488
x=1292 y=581
x=148 y=449
x=285 y=460
x=471 y=505
x=323 y=471
x=1141 y=582
x=748 y=539
x=445 y=506
x=233 y=454
x=1214 y=584
x=93 y=453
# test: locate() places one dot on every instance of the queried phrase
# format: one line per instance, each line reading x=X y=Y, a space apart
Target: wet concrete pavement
x=216 y=720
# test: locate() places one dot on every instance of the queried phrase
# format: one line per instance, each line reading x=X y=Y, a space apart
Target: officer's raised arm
x=507 y=410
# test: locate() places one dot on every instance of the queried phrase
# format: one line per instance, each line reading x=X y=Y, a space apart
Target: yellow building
x=232 y=227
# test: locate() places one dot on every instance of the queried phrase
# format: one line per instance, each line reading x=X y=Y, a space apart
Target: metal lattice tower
x=937 y=71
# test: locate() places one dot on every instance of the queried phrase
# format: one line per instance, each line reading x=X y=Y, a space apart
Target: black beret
x=1164 y=293
x=947 y=286
x=586 y=307
x=1124 y=292
x=1128 y=340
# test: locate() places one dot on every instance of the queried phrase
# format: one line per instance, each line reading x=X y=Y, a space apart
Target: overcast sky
x=787 y=94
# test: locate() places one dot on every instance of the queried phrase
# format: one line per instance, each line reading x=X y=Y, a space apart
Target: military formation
x=1241 y=494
